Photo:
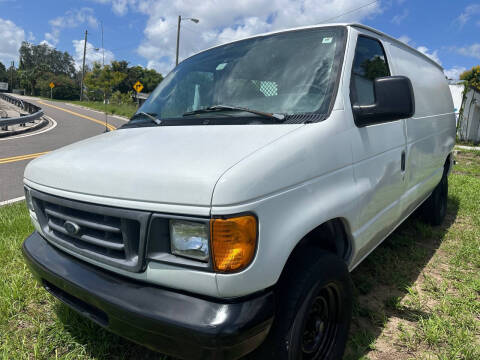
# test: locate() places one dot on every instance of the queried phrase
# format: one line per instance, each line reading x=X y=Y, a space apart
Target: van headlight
x=189 y=239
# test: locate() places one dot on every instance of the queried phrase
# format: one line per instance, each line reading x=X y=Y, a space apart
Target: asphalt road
x=73 y=123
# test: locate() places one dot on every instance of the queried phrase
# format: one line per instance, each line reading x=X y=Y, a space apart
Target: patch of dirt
x=389 y=344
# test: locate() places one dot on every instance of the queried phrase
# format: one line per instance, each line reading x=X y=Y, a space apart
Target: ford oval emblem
x=71 y=227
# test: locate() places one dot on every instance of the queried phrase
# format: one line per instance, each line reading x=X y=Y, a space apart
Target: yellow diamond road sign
x=52 y=85
x=138 y=86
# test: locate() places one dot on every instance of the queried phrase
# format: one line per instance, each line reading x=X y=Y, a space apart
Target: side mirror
x=394 y=100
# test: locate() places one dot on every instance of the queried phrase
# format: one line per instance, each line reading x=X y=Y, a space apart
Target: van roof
x=357 y=25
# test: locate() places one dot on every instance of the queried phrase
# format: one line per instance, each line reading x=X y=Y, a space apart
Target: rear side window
x=370 y=62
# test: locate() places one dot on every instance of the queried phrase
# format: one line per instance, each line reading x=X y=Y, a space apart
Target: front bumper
x=174 y=323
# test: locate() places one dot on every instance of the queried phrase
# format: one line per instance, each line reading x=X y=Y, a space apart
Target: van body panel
x=313 y=182
x=203 y=211
x=377 y=153
x=431 y=131
x=170 y=165
x=305 y=154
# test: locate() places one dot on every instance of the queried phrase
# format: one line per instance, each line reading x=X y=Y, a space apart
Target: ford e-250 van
x=223 y=219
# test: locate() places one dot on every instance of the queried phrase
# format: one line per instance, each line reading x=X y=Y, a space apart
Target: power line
x=136 y=44
x=350 y=11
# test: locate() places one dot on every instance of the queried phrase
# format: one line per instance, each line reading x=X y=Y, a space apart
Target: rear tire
x=434 y=209
x=313 y=310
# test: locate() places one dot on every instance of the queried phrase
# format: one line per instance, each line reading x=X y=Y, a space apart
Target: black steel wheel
x=320 y=325
x=313 y=313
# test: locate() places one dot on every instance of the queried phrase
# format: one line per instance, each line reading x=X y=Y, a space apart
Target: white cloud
x=454 y=72
x=11 y=37
x=52 y=37
x=45 y=42
x=121 y=7
x=92 y=54
x=162 y=67
x=467 y=14
x=227 y=21
x=397 y=19
x=470 y=51
x=405 y=39
x=432 y=55
x=71 y=19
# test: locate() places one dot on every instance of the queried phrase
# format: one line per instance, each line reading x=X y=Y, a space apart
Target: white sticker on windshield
x=327 y=40
x=221 y=66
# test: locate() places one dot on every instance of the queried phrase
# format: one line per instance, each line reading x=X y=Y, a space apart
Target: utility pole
x=103 y=49
x=196 y=21
x=104 y=90
x=178 y=38
x=83 y=66
x=11 y=76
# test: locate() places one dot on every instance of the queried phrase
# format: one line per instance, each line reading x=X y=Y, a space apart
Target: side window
x=370 y=62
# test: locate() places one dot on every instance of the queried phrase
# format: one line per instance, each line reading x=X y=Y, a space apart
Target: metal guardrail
x=34 y=112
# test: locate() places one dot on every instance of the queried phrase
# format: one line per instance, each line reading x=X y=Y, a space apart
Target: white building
x=457 y=95
x=469 y=129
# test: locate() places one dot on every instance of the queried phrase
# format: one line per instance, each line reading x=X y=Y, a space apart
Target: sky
x=143 y=32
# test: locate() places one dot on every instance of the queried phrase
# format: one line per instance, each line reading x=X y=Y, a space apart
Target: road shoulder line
x=12 y=201
x=109 y=126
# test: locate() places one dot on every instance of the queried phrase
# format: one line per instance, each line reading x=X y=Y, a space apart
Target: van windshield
x=291 y=73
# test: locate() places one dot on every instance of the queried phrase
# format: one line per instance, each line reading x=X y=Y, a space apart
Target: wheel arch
x=333 y=236
x=448 y=164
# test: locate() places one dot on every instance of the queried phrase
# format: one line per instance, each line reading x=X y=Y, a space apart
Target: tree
x=148 y=77
x=102 y=81
x=65 y=88
x=12 y=75
x=151 y=79
x=472 y=77
x=38 y=60
x=375 y=68
x=3 y=73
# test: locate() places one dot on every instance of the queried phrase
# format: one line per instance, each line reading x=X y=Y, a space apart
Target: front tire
x=434 y=209
x=313 y=313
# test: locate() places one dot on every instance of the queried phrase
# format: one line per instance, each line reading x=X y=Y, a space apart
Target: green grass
x=467 y=143
x=417 y=295
x=126 y=110
x=468 y=163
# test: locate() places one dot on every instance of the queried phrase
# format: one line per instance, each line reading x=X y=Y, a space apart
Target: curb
x=12 y=201
x=464 y=147
x=38 y=126
x=123 y=118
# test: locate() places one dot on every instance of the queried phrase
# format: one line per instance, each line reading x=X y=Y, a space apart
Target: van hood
x=170 y=165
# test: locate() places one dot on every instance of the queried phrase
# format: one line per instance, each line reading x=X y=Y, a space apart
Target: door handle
x=403 y=161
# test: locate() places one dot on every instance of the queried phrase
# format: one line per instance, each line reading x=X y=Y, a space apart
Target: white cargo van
x=224 y=218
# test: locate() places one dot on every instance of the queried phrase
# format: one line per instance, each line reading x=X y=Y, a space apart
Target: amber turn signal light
x=233 y=242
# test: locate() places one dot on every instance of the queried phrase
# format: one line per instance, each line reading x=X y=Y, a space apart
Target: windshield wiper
x=151 y=116
x=213 y=108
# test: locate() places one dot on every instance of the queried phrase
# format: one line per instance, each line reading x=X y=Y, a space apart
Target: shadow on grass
x=387 y=275
x=98 y=342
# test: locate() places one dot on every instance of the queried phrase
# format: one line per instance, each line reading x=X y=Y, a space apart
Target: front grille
x=111 y=235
